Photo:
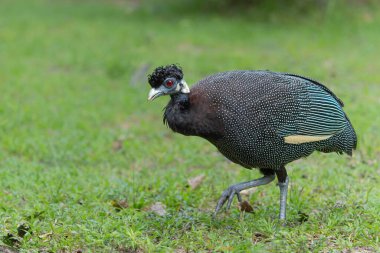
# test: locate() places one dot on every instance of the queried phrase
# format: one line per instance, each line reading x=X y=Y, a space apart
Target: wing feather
x=321 y=116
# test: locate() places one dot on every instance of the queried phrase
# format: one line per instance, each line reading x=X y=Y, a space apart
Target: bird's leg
x=237 y=188
x=283 y=181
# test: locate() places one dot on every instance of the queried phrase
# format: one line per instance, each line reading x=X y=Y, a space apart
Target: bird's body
x=262 y=119
x=248 y=114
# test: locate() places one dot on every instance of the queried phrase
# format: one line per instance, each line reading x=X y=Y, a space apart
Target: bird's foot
x=229 y=195
x=233 y=190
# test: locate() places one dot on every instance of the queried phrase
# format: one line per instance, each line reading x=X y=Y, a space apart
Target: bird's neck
x=181 y=99
x=192 y=117
x=177 y=113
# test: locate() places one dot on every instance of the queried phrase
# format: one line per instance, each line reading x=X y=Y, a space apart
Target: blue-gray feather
x=319 y=114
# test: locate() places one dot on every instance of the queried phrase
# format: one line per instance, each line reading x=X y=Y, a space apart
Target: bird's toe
x=229 y=195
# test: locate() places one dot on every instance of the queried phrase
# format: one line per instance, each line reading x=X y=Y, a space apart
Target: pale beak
x=154 y=93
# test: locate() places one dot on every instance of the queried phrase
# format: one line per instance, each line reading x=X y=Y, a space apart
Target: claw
x=233 y=190
x=229 y=195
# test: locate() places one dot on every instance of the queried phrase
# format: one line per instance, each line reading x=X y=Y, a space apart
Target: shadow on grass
x=260 y=10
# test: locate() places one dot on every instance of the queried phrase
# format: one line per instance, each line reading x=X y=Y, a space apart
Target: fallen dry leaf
x=118 y=143
x=244 y=206
x=258 y=237
x=158 y=208
x=195 y=181
x=119 y=204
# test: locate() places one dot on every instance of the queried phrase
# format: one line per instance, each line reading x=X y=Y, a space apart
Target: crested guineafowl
x=258 y=119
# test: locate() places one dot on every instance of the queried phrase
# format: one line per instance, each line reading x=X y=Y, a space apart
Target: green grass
x=77 y=136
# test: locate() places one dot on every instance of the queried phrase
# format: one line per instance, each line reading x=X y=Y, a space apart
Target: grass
x=83 y=155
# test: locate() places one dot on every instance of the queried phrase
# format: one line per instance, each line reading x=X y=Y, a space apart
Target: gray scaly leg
x=237 y=188
x=283 y=182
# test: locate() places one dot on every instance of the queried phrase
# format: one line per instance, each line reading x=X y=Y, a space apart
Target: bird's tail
x=345 y=141
x=354 y=139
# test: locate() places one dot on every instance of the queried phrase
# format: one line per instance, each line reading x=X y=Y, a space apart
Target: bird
x=256 y=118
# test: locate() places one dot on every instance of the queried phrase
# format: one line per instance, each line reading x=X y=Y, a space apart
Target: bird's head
x=167 y=80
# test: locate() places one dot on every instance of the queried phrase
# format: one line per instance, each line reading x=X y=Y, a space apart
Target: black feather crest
x=161 y=73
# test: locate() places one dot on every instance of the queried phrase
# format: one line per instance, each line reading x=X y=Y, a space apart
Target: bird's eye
x=169 y=83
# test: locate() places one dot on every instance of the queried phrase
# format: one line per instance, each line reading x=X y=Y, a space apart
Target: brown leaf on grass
x=195 y=181
x=158 y=208
x=244 y=206
x=119 y=204
x=258 y=237
x=118 y=143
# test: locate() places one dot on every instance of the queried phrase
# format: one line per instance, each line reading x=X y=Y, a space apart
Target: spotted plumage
x=259 y=119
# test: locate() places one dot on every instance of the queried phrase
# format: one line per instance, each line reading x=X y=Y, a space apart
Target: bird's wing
x=319 y=115
x=309 y=80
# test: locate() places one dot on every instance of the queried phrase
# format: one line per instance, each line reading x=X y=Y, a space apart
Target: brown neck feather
x=189 y=114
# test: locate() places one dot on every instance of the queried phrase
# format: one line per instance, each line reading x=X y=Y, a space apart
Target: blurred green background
x=84 y=156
